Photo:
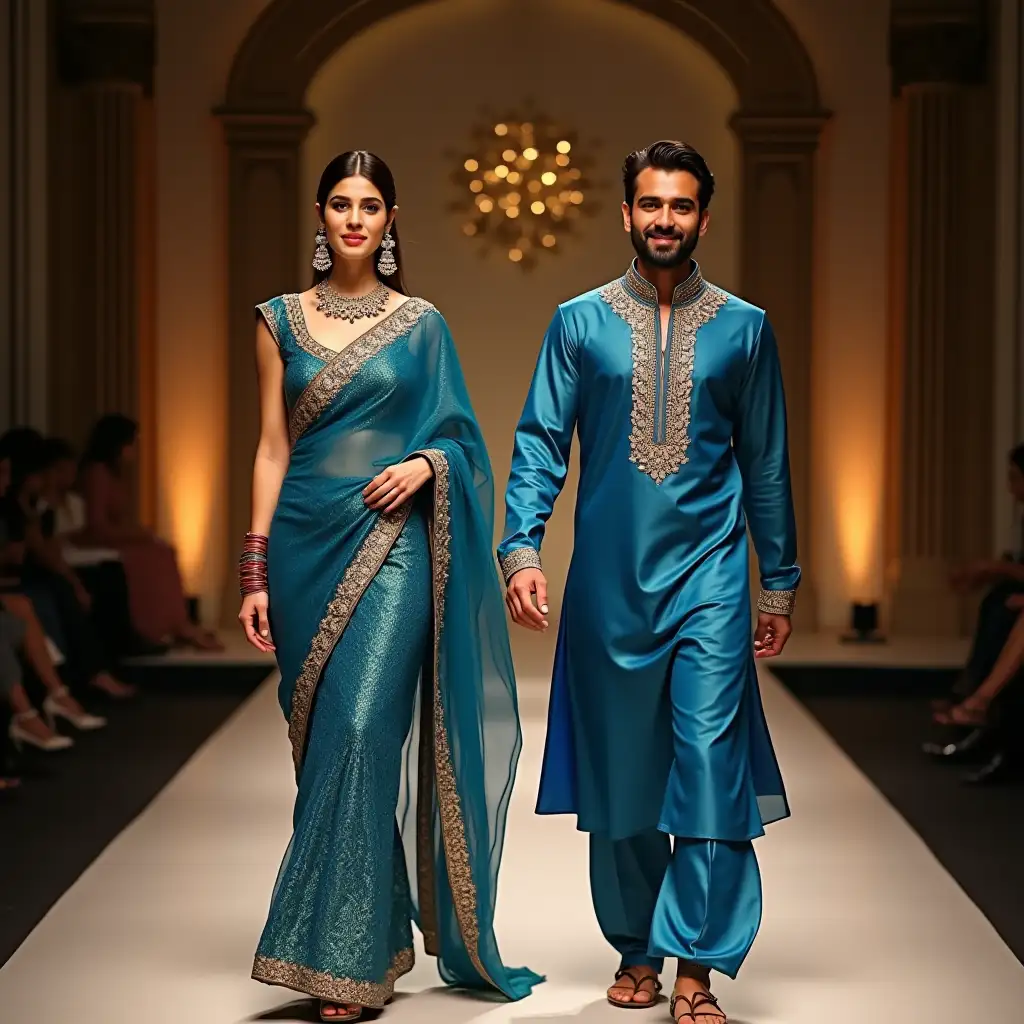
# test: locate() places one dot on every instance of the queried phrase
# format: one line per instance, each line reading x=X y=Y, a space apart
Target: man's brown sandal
x=637 y=981
x=693 y=1008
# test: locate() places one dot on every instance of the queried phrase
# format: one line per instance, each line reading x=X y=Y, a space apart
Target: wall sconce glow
x=857 y=508
x=515 y=157
x=189 y=486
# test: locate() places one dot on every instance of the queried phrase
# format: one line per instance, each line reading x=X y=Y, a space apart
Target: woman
x=373 y=483
x=158 y=608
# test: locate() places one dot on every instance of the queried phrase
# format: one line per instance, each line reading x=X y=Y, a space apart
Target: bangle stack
x=252 y=565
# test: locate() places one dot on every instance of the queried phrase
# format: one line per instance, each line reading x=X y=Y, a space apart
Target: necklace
x=332 y=303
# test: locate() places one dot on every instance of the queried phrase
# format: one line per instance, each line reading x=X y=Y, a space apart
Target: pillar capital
x=108 y=42
x=938 y=45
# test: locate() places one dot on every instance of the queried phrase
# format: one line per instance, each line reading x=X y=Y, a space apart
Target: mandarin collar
x=688 y=291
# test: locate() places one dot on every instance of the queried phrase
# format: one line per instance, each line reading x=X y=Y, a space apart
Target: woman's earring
x=386 y=264
x=321 y=255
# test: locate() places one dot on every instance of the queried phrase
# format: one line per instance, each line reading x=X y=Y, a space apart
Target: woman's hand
x=253 y=618
x=771 y=634
x=397 y=484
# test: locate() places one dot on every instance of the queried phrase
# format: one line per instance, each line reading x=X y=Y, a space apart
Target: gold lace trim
x=300 y=330
x=453 y=826
x=776 y=602
x=660 y=459
x=341 y=367
x=322 y=985
x=360 y=571
x=266 y=310
x=520 y=558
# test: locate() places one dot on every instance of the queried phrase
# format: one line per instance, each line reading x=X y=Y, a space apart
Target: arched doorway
x=777 y=126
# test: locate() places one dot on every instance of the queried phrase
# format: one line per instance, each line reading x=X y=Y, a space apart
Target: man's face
x=665 y=221
x=1015 y=483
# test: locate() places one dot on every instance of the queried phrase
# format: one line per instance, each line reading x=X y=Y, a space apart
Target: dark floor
x=880 y=718
x=73 y=804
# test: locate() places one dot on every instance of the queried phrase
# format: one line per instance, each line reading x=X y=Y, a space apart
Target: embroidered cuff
x=776 y=602
x=521 y=558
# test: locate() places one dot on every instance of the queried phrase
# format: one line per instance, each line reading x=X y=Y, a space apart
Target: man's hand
x=771 y=635
x=525 y=586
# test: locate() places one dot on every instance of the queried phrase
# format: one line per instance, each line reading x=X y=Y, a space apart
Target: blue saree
x=396 y=674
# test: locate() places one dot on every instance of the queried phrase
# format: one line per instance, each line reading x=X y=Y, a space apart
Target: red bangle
x=252 y=564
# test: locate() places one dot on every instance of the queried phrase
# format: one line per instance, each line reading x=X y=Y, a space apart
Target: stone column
x=777 y=216
x=104 y=251
x=264 y=150
x=938 y=342
x=24 y=285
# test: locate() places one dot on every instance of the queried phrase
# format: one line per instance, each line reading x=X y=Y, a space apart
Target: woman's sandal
x=637 y=982
x=693 y=1005
x=342 y=1015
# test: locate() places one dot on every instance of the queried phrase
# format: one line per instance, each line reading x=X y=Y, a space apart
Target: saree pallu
x=396 y=673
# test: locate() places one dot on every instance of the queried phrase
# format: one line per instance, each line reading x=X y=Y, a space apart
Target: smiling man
x=657 y=741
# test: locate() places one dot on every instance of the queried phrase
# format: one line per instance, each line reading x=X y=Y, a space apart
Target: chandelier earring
x=386 y=264
x=322 y=254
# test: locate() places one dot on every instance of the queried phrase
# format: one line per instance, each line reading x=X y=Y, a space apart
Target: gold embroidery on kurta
x=342 y=366
x=520 y=558
x=322 y=985
x=357 y=577
x=656 y=452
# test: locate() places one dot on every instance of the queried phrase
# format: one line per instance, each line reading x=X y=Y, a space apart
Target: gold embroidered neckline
x=660 y=422
x=300 y=328
x=685 y=293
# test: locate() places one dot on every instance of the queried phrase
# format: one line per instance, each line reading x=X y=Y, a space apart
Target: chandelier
x=523 y=186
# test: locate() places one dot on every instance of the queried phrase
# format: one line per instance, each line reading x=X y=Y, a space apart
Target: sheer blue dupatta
x=462 y=754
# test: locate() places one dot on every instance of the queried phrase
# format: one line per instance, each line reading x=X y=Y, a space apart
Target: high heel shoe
x=22 y=737
x=81 y=720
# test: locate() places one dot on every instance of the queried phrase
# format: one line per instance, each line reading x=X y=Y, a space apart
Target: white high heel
x=22 y=737
x=82 y=721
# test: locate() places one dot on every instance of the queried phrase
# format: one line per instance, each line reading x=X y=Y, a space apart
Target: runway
x=861 y=922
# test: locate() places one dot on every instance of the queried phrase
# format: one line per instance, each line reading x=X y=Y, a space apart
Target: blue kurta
x=655 y=718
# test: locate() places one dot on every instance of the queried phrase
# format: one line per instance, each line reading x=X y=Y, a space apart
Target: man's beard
x=668 y=260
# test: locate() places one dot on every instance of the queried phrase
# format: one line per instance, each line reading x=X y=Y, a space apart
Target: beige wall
x=196 y=43
x=368 y=96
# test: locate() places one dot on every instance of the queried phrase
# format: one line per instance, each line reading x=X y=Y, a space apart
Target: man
x=656 y=737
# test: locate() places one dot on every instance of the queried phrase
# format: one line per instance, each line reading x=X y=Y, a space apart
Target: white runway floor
x=861 y=923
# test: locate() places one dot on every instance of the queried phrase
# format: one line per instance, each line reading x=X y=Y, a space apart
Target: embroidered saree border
x=357 y=577
x=322 y=985
x=453 y=825
x=342 y=366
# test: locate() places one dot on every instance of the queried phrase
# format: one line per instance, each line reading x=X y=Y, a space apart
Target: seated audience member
x=158 y=608
x=60 y=600
x=21 y=631
x=100 y=569
x=1001 y=579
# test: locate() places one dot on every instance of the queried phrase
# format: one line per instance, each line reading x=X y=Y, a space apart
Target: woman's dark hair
x=358 y=163
x=1017 y=457
x=669 y=156
x=108 y=439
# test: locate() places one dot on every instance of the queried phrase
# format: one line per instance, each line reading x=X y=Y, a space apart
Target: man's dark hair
x=1017 y=457
x=669 y=156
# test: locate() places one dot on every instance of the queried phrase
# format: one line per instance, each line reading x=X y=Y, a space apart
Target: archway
x=777 y=126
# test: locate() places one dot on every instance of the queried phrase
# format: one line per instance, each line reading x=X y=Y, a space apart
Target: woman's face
x=355 y=218
x=129 y=453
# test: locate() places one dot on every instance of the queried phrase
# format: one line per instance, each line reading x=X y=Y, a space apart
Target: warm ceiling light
x=509 y=156
x=471 y=165
x=514 y=177
x=469 y=229
x=538 y=207
x=501 y=129
x=549 y=241
x=512 y=212
x=476 y=185
x=501 y=171
x=530 y=153
x=563 y=147
x=515 y=255
x=549 y=177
